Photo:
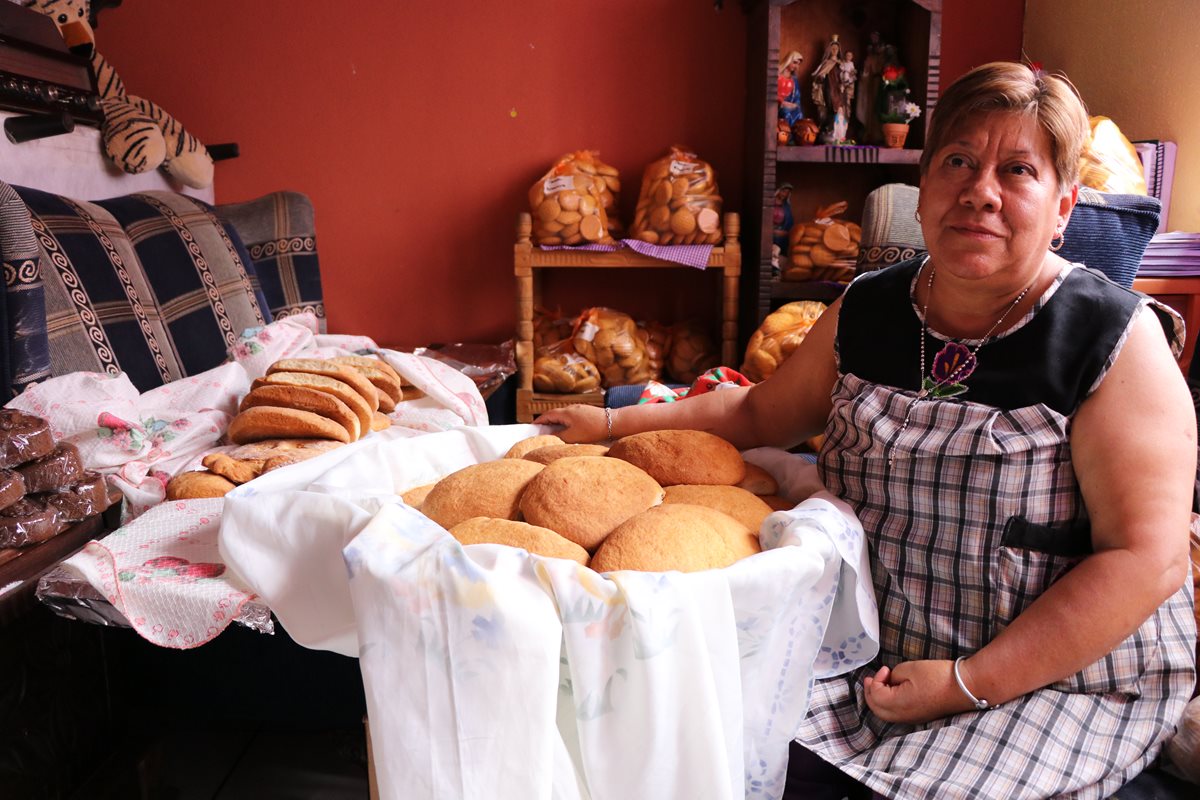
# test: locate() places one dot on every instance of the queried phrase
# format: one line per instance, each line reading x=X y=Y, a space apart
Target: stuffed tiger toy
x=137 y=134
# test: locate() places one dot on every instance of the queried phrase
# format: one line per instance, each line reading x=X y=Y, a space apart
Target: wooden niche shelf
x=529 y=261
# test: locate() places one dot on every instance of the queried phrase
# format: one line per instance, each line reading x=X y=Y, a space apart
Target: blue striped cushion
x=24 y=348
x=280 y=233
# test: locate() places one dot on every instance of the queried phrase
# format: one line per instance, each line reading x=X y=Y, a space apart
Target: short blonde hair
x=1015 y=88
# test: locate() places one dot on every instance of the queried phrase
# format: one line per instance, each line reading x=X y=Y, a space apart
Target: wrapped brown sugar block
x=567 y=204
x=609 y=339
x=679 y=202
x=780 y=333
x=823 y=249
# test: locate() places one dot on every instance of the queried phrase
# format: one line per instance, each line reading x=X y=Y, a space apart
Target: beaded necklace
x=955 y=362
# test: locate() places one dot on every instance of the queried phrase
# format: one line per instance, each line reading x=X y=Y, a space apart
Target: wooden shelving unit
x=528 y=263
x=823 y=174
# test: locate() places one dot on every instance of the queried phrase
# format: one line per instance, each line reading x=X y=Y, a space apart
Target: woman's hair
x=1016 y=88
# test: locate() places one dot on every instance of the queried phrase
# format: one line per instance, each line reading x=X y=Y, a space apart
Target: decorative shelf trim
x=847 y=154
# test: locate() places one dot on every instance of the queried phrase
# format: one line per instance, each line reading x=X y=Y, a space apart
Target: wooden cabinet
x=529 y=262
x=823 y=174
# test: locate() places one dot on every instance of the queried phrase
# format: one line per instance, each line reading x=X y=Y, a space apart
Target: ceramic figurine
x=788 y=93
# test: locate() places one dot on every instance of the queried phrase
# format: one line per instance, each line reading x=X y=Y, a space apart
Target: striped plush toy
x=138 y=135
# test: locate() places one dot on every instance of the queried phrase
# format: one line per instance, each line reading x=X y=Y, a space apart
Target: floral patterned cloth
x=491 y=672
x=162 y=569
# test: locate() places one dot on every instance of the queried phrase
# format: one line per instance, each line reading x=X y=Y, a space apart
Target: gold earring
x=1061 y=240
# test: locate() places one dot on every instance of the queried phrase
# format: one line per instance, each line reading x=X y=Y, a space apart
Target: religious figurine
x=782 y=219
x=823 y=78
x=843 y=100
x=868 y=90
x=788 y=93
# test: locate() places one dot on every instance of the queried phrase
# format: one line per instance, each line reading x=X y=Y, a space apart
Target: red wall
x=416 y=128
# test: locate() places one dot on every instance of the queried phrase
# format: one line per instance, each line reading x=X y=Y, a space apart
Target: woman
x=1019 y=444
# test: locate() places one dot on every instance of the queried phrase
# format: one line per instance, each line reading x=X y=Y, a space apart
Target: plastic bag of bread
x=780 y=333
x=656 y=337
x=558 y=368
x=824 y=249
x=691 y=352
x=606 y=180
x=567 y=206
x=1109 y=162
x=549 y=328
x=679 y=202
x=609 y=339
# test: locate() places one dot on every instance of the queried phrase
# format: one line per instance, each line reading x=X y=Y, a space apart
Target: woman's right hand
x=581 y=423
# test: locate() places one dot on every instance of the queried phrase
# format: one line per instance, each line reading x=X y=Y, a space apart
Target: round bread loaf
x=416 y=496
x=12 y=487
x=23 y=437
x=330 y=369
x=273 y=422
x=738 y=503
x=87 y=497
x=29 y=521
x=339 y=389
x=491 y=489
x=62 y=466
x=539 y=541
x=524 y=446
x=199 y=483
x=552 y=453
x=584 y=497
x=305 y=399
x=758 y=480
x=682 y=456
x=675 y=537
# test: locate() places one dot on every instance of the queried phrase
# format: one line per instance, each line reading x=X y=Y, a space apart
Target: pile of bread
x=604 y=347
x=44 y=488
x=301 y=408
x=656 y=501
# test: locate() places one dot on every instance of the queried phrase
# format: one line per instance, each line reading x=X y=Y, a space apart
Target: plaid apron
x=972 y=512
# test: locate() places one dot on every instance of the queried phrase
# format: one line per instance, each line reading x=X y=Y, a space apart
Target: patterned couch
x=156 y=284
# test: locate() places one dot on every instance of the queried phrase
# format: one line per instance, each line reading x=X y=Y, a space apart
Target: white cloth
x=491 y=672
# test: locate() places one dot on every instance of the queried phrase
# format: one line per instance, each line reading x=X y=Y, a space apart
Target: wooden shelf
x=530 y=261
x=847 y=154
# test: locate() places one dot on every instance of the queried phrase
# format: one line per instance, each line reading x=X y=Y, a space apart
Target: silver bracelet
x=978 y=702
x=608 y=417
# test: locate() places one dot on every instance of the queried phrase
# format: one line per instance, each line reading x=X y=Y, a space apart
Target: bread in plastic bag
x=558 y=368
x=607 y=182
x=825 y=248
x=609 y=339
x=656 y=337
x=567 y=205
x=679 y=201
x=691 y=352
x=778 y=335
x=550 y=327
x=1109 y=162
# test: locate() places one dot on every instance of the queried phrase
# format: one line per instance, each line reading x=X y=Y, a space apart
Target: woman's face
x=990 y=201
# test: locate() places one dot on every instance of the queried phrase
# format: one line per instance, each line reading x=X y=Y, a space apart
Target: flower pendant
x=953 y=364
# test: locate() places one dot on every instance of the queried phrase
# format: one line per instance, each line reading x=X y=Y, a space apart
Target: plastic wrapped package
x=29 y=521
x=81 y=500
x=778 y=335
x=23 y=437
x=489 y=365
x=691 y=352
x=1109 y=162
x=679 y=202
x=607 y=182
x=609 y=339
x=549 y=328
x=558 y=368
x=567 y=204
x=824 y=248
x=656 y=337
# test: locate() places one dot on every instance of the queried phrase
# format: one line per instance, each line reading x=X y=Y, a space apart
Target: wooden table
x=1182 y=294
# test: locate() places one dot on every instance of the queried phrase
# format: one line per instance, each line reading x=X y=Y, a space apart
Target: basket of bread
x=300 y=408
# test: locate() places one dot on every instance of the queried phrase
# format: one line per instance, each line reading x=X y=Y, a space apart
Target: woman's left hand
x=915 y=692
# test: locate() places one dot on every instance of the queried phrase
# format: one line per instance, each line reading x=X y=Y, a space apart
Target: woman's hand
x=582 y=423
x=915 y=692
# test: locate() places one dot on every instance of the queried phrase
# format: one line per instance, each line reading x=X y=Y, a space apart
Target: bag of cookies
x=824 y=249
x=607 y=181
x=549 y=328
x=558 y=368
x=609 y=339
x=567 y=205
x=691 y=352
x=780 y=333
x=679 y=202
x=656 y=337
